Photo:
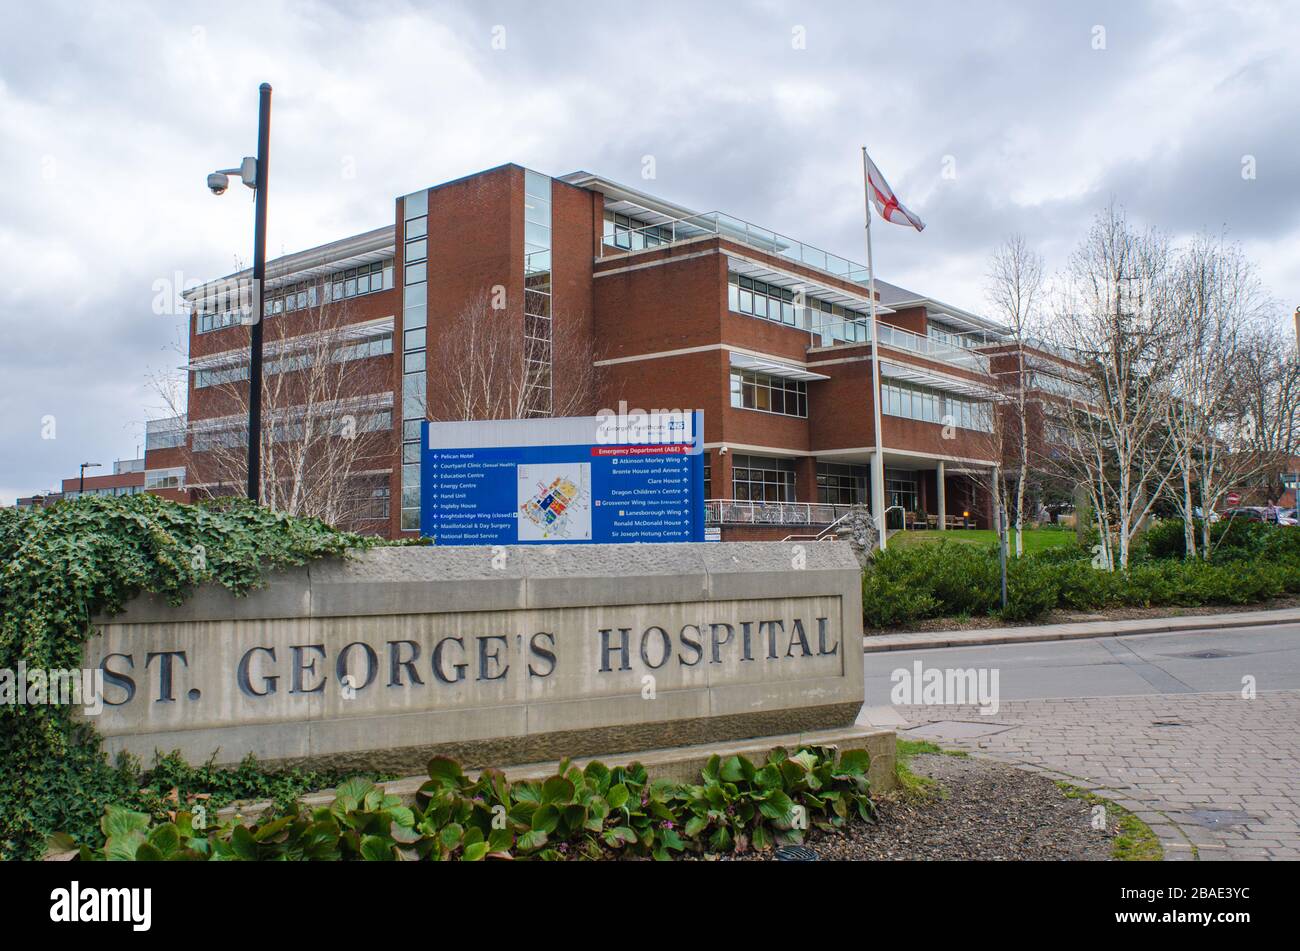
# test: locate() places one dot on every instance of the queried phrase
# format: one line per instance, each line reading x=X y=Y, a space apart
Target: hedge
x=947 y=578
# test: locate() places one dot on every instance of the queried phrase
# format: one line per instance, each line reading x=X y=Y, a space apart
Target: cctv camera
x=218 y=182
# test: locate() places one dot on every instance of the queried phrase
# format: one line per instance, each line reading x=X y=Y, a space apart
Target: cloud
x=114 y=114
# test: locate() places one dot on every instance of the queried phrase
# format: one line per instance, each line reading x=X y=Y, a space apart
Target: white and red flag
x=887 y=204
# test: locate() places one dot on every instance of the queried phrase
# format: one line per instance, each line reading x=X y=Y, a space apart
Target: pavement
x=916 y=640
x=1198 y=733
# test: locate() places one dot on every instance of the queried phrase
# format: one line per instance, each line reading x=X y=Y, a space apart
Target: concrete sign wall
x=493 y=655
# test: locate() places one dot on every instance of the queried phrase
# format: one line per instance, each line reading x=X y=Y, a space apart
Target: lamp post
x=254 y=172
x=81 y=482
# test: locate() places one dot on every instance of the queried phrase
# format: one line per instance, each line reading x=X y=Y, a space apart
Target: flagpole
x=877 y=457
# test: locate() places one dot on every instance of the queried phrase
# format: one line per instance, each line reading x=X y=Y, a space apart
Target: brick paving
x=1216 y=776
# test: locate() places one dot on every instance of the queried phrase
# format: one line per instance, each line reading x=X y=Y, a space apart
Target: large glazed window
x=538 y=330
x=769 y=394
x=415 y=291
x=762 y=479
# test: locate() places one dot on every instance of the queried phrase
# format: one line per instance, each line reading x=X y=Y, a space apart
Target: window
x=164 y=478
x=164 y=433
x=839 y=484
x=415 y=299
x=949 y=338
x=770 y=302
x=220 y=376
x=900 y=490
x=769 y=394
x=537 y=294
x=377 y=346
x=932 y=406
x=303 y=295
x=628 y=233
x=370 y=502
x=761 y=479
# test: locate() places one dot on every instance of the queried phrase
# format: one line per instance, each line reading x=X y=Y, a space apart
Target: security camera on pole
x=254 y=172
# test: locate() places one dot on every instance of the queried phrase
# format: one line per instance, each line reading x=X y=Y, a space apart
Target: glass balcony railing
x=844 y=332
x=932 y=349
x=620 y=239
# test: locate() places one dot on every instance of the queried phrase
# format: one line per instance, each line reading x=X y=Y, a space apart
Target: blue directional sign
x=625 y=477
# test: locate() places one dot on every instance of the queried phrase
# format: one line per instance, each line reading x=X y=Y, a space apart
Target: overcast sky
x=988 y=118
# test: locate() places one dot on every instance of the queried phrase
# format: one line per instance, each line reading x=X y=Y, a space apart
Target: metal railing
x=830 y=533
x=746 y=512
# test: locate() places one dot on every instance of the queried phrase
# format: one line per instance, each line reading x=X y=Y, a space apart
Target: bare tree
x=327 y=438
x=489 y=366
x=1015 y=284
x=1267 y=388
x=1216 y=299
x=1116 y=319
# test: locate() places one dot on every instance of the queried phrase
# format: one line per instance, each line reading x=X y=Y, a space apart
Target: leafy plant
x=590 y=813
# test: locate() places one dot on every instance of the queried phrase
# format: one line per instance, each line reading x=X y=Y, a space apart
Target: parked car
x=1246 y=513
x=1261 y=513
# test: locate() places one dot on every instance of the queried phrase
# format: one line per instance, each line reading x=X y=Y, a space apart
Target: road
x=1197 y=732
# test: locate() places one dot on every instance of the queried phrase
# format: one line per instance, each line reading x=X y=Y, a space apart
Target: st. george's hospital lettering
x=263 y=671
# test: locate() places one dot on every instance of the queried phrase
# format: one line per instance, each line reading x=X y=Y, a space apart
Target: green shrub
x=890 y=603
x=1062 y=554
x=1164 y=539
x=1230 y=540
x=1081 y=587
x=943 y=578
x=595 y=812
x=1032 y=589
x=66 y=563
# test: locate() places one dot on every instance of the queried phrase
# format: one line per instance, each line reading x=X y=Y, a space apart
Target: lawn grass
x=1134 y=842
x=1036 y=539
x=909 y=783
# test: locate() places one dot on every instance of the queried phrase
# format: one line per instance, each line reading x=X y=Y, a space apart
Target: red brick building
x=670 y=308
x=127 y=478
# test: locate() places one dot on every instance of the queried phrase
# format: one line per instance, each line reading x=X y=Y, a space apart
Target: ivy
x=67 y=563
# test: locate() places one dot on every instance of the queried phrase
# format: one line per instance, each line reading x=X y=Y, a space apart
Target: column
x=943 y=496
x=805 y=478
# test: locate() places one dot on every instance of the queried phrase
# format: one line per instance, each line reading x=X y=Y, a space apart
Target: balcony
x=839 y=333
x=621 y=240
x=932 y=349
